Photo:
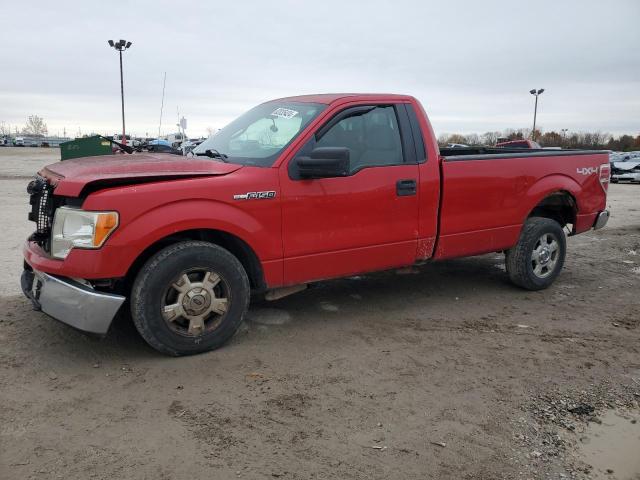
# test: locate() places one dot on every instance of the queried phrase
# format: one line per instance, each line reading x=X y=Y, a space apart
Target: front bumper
x=71 y=302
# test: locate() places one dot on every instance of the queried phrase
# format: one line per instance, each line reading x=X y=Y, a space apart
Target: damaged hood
x=628 y=165
x=72 y=176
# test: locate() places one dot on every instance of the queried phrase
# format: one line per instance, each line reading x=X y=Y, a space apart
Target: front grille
x=42 y=209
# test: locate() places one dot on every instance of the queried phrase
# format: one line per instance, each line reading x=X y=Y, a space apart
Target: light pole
x=536 y=93
x=121 y=46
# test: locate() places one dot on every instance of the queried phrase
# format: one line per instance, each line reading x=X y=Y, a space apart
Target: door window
x=373 y=138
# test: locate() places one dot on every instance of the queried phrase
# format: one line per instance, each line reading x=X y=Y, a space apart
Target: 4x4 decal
x=587 y=170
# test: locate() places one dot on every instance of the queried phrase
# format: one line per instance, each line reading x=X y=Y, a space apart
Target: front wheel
x=536 y=260
x=189 y=298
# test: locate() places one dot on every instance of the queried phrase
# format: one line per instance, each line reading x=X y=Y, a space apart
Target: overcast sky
x=471 y=63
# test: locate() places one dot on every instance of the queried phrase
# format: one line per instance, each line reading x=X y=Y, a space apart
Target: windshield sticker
x=284 y=113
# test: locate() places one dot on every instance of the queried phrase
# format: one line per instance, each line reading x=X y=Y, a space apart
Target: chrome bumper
x=71 y=302
x=601 y=220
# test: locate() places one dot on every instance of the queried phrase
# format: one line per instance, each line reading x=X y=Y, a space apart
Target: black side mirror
x=324 y=162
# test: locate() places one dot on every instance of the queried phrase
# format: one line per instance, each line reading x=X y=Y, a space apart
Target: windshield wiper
x=213 y=153
x=123 y=147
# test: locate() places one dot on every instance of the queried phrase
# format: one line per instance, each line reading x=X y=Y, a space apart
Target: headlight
x=74 y=228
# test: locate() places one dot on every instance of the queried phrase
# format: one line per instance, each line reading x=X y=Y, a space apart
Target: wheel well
x=559 y=206
x=238 y=247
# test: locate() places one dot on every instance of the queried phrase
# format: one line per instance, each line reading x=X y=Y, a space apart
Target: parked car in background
x=18 y=142
x=188 y=145
x=144 y=143
x=175 y=139
x=162 y=146
x=519 y=144
x=614 y=157
x=629 y=156
x=132 y=142
x=626 y=171
x=32 y=142
x=117 y=137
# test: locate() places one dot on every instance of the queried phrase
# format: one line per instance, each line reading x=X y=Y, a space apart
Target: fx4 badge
x=587 y=170
x=255 y=195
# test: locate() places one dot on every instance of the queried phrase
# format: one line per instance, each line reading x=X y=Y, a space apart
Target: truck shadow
x=428 y=287
x=346 y=302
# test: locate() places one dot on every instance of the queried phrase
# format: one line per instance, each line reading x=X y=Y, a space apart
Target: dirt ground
x=448 y=372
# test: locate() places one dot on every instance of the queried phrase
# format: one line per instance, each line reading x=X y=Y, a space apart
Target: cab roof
x=328 y=98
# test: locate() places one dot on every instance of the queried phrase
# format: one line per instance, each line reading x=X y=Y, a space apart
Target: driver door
x=364 y=221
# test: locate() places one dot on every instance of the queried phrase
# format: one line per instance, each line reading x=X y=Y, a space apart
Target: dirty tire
x=519 y=262
x=159 y=273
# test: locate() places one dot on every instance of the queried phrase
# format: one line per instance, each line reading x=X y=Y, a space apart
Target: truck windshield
x=258 y=136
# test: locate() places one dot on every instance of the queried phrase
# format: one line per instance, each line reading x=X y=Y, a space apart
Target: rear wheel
x=538 y=257
x=189 y=298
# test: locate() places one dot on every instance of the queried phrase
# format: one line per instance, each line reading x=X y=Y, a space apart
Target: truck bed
x=487 y=193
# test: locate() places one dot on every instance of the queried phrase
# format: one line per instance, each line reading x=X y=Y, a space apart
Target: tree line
x=35 y=127
x=564 y=139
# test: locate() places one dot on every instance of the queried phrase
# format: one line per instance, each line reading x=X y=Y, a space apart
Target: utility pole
x=536 y=93
x=121 y=46
x=164 y=83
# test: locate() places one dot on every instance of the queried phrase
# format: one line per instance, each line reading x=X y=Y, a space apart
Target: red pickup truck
x=294 y=191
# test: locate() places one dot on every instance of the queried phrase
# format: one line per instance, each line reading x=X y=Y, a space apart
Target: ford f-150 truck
x=294 y=191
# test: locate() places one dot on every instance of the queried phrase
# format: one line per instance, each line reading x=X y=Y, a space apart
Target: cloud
x=471 y=63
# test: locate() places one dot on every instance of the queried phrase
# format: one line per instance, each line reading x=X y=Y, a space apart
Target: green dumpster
x=85 y=147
